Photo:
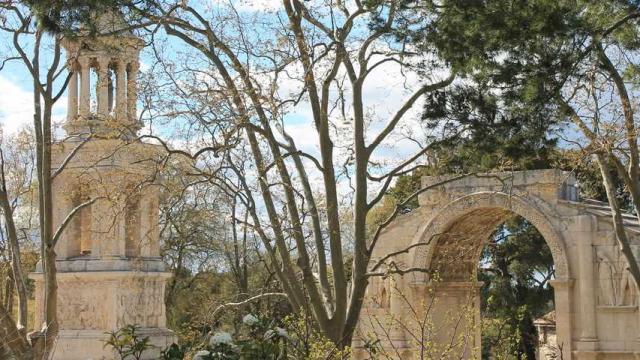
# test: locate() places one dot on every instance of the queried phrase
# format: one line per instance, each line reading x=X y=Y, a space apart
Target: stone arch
x=472 y=218
x=497 y=205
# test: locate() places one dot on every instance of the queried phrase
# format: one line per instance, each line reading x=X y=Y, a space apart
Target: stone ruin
x=596 y=300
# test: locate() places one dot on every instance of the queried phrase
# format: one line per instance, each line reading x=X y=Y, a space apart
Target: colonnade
x=79 y=103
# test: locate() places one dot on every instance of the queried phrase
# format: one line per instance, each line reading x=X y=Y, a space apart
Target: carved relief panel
x=85 y=305
x=141 y=302
x=615 y=284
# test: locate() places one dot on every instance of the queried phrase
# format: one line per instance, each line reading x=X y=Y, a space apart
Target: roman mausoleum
x=110 y=273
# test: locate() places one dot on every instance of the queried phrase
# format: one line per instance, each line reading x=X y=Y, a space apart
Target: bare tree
x=16 y=180
x=600 y=100
x=308 y=207
x=433 y=328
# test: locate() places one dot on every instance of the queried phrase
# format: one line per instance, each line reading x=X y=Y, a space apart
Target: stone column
x=121 y=91
x=85 y=96
x=583 y=237
x=562 y=290
x=132 y=94
x=102 y=88
x=72 y=94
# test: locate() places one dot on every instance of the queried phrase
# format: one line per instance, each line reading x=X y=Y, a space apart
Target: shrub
x=128 y=343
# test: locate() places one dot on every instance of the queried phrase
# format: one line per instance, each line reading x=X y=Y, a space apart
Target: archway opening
x=496 y=265
x=516 y=299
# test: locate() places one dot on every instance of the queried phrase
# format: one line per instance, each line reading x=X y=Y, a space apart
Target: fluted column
x=103 y=86
x=121 y=91
x=85 y=97
x=132 y=94
x=72 y=93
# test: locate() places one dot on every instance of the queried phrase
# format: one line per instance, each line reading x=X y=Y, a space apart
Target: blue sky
x=385 y=90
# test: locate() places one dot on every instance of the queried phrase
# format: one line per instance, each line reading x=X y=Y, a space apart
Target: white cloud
x=385 y=91
x=259 y=5
x=16 y=106
x=249 y=5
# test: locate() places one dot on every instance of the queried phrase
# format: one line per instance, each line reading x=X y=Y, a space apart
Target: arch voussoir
x=446 y=216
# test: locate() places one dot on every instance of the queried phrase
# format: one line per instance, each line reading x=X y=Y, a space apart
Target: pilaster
x=396 y=306
x=562 y=289
x=582 y=234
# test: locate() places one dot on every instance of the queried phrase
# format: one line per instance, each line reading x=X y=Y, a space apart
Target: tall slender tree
x=329 y=54
x=39 y=54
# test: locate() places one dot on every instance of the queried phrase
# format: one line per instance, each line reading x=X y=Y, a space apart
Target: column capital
x=561 y=284
x=103 y=63
x=120 y=64
x=72 y=64
x=83 y=61
x=134 y=65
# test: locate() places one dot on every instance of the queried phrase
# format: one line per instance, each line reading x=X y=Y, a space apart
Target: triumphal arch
x=433 y=311
x=105 y=186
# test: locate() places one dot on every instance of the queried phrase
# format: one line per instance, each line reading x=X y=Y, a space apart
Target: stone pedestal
x=97 y=296
x=110 y=273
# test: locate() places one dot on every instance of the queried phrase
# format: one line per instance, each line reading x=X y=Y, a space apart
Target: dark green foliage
x=173 y=352
x=67 y=16
x=525 y=51
x=520 y=41
x=515 y=267
x=496 y=132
